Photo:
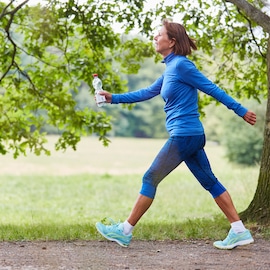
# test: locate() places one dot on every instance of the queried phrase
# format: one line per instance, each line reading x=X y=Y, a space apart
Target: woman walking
x=179 y=87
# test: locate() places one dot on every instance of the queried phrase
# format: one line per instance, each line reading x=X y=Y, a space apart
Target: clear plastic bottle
x=97 y=84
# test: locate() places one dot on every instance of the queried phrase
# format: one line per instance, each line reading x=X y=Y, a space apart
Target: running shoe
x=114 y=232
x=235 y=239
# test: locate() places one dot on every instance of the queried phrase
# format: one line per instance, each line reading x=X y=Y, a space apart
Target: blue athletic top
x=178 y=87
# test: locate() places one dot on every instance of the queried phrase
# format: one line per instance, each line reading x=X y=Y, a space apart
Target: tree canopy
x=48 y=51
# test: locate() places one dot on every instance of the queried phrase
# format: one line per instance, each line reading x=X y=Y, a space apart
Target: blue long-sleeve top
x=178 y=87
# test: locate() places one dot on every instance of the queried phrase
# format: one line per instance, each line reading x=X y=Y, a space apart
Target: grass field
x=63 y=195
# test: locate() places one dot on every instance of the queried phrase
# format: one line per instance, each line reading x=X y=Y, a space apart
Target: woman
x=178 y=87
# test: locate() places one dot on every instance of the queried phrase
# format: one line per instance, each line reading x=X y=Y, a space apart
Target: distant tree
x=146 y=119
x=244 y=145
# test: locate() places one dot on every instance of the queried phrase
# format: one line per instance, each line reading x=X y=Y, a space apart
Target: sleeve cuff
x=115 y=99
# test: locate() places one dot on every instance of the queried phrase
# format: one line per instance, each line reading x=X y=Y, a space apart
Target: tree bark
x=259 y=208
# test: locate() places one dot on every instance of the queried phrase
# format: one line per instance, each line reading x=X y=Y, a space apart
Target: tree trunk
x=259 y=208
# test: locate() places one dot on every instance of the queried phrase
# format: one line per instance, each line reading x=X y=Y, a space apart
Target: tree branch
x=14 y=10
x=7 y=30
x=251 y=31
x=3 y=13
x=253 y=13
x=12 y=13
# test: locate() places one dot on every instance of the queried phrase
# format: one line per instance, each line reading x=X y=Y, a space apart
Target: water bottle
x=97 y=84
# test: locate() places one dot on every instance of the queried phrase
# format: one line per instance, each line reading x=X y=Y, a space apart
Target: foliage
x=243 y=45
x=48 y=51
x=244 y=148
x=244 y=144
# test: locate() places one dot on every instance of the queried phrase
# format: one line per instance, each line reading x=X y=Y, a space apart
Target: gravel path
x=142 y=255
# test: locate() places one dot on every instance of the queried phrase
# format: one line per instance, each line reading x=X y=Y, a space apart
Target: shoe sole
x=111 y=239
x=240 y=243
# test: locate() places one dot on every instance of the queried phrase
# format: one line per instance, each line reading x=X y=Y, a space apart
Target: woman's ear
x=172 y=41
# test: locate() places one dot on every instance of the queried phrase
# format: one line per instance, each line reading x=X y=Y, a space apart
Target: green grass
x=61 y=197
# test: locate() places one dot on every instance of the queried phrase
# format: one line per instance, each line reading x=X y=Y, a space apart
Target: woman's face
x=163 y=44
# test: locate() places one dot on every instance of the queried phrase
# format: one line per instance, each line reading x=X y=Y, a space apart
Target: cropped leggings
x=177 y=149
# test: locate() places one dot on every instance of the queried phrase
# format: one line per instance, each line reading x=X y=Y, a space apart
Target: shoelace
x=110 y=221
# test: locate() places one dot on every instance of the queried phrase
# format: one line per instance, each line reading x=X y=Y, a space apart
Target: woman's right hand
x=250 y=117
x=107 y=95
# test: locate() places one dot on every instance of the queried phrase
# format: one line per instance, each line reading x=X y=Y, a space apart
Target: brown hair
x=183 y=43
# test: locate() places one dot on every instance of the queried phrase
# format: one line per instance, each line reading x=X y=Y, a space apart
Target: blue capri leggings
x=177 y=149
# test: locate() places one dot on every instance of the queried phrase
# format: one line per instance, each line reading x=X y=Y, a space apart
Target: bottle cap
x=95 y=75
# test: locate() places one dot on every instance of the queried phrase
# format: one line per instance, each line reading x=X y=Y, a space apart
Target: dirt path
x=142 y=255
